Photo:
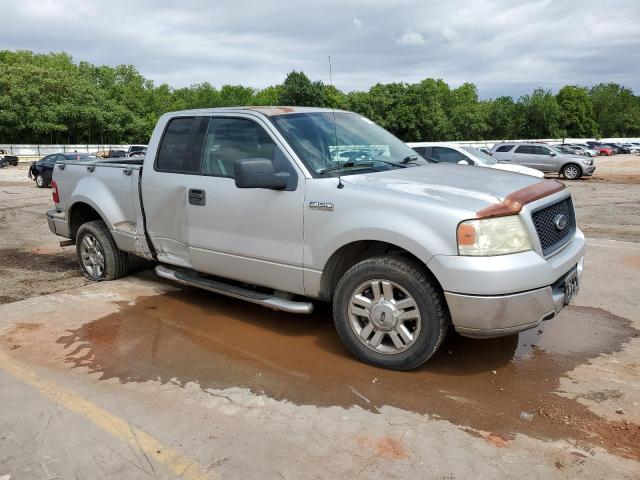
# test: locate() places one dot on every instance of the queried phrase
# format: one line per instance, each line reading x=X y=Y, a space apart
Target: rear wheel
x=98 y=255
x=390 y=313
x=571 y=171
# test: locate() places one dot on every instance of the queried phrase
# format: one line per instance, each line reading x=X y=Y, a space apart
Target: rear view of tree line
x=47 y=98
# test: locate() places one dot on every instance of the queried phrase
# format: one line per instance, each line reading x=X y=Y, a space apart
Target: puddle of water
x=217 y=342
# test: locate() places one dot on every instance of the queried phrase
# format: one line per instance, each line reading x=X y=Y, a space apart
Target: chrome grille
x=545 y=220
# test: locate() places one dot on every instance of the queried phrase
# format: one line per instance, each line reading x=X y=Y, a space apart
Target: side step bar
x=264 y=299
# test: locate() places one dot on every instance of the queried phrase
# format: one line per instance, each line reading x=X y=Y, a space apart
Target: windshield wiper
x=348 y=164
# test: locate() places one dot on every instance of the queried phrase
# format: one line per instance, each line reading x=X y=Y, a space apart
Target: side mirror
x=259 y=173
x=464 y=162
x=553 y=154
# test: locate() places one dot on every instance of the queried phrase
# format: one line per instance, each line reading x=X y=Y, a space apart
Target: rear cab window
x=174 y=146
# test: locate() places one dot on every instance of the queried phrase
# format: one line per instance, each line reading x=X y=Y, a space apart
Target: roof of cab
x=266 y=110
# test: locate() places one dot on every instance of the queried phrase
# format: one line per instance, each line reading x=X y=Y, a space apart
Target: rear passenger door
x=249 y=235
x=545 y=159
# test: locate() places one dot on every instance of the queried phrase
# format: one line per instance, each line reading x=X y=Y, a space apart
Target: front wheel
x=571 y=172
x=390 y=313
x=98 y=255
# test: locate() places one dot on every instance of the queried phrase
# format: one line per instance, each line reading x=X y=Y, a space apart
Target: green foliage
x=47 y=98
x=576 y=112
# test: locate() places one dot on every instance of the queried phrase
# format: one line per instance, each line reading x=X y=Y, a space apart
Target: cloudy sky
x=505 y=47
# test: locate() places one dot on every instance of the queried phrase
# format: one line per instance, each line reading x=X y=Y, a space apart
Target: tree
x=542 y=115
x=576 y=111
x=298 y=90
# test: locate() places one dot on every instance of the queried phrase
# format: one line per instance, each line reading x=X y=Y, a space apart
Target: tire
x=40 y=182
x=403 y=344
x=98 y=255
x=571 y=171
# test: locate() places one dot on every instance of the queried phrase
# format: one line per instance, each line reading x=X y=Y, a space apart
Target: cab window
x=172 y=155
x=231 y=139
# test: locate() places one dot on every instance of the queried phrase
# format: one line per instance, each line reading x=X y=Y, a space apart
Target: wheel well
x=81 y=213
x=348 y=255
x=570 y=163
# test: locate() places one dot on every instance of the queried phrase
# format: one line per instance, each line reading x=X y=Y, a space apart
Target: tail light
x=54 y=192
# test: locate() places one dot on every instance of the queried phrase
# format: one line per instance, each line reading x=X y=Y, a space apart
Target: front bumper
x=496 y=296
x=488 y=317
x=58 y=223
x=588 y=171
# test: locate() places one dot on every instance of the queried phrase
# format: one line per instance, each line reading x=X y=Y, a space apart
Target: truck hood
x=473 y=188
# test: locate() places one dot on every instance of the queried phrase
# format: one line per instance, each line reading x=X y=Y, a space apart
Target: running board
x=264 y=299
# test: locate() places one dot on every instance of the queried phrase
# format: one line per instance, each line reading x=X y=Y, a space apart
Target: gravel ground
x=33 y=263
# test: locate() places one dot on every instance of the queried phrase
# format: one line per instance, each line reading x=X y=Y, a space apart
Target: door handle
x=197 y=196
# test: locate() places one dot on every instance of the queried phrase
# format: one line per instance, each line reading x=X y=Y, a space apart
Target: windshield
x=361 y=144
x=480 y=156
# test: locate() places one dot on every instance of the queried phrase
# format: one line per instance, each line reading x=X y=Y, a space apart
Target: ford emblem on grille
x=560 y=221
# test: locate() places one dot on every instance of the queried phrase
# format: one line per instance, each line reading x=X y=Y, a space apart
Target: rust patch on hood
x=514 y=202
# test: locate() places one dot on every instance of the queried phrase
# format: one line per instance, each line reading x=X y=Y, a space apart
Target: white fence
x=30 y=152
x=38 y=151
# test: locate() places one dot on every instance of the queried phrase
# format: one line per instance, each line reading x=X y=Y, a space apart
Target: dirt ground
x=141 y=378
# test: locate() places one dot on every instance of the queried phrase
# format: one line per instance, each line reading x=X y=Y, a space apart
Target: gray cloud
x=504 y=47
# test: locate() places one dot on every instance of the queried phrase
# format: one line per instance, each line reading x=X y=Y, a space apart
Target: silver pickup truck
x=282 y=206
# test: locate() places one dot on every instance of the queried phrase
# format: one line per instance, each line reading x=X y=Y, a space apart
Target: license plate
x=571 y=286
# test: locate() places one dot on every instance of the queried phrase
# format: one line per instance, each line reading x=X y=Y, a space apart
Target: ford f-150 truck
x=283 y=206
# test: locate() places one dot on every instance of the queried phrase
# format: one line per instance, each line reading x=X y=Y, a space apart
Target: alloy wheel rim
x=92 y=256
x=384 y=316
x=39 y=180
x=571 y=172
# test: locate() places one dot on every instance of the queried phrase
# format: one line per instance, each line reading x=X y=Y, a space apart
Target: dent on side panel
x=164 y=196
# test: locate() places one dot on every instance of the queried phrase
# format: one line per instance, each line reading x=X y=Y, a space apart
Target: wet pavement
x=504 y=386
x=238 y=390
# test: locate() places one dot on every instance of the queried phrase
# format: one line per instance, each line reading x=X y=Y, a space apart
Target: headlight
x=492 y=236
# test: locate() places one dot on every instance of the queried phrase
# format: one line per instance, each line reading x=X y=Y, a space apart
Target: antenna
x=335 y=131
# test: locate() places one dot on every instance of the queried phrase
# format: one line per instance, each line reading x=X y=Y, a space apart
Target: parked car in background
x=452 y=153
x=111 y=153
x=136 y=151
x=569 y=149
x=545 y=158
x=6 y=158
x=585 y=149
x=629 y=148
x=601 y=148
x=41 y=171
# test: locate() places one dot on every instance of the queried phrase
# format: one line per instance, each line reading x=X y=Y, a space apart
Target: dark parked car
x=137 y=151
x=7 y=159
x=42 y=170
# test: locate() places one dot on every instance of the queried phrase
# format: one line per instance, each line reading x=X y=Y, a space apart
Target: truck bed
x=111 y=188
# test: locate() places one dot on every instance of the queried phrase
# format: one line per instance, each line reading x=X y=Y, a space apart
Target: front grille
x=545 y=220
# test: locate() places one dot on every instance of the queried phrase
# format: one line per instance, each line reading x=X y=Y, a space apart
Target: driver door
x=252 y=235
